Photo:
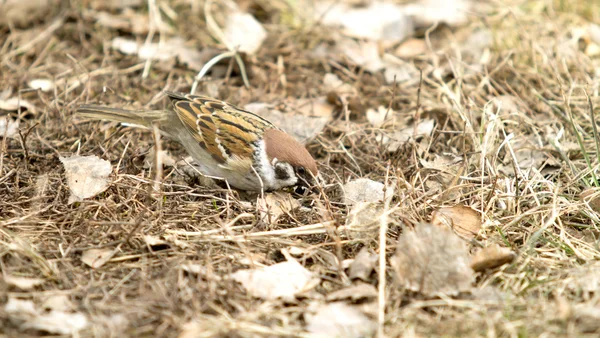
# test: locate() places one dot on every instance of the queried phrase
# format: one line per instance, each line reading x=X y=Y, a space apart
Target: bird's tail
x=142 y=118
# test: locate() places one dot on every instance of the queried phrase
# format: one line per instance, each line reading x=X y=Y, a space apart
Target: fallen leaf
x=591 y=196
x=8 y=126
x=274 y=205
x=155 y=243
x=87 y=176
x=23 y=13
x=303 y=118
x=363 y=264
x=174 y=48
x=432 y=260
x=14 y=104
x=365 y=190
x=362 y=53
x=465 y=221
x=130 y=21
x=593 y=31
x=115 y=4
x=282 y=280
x=584 y=279
x=44 y=85
x=356 y=292
x=339 y=320
x=244 y=32
x=54 y=321
x=378 y=21
x=393 y=141
x=23 y=283
x=410 y=48
x=587 y=317
x=364 y=219
x=58 y=303
x=378 y=117
x=96 y=258
x=427 y=13
x=491 y=257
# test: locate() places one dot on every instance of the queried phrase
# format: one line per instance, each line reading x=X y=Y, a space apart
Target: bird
x=226 y=142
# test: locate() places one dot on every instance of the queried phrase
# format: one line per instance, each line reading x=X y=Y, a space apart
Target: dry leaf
x=427 y=13
x=8 y=126
x=393 y=141
x=584 y=279
x=432 y=260
x=410 y=48
x=115 y=4
x=23 y=283
x=95 y=258
x=44 y=85
x=465 y=221
x=591 y=196
x=58 y=303
x=244 y=32
x=155 y=243
x=356 y=292
x=365 y=190
x=274 y=205
x=282 y=280
x=363 y=220
x=378 y=117
x=379 y=21
x=54 y=321
x=339 y=320
x=171 y=49
x=22 y=13
x=303 y=118
x=492 y=257
x=13 y=104
x=87 y=176
x=363 y=265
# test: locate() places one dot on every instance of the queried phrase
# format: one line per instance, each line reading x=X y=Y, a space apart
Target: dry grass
x=535 y=211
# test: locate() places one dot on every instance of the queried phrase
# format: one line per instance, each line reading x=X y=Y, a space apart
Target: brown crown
x=285 y=148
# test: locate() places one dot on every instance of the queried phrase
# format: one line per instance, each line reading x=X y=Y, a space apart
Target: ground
x=503 y=111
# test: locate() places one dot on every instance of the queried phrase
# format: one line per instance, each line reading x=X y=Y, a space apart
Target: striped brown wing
x=223 y=130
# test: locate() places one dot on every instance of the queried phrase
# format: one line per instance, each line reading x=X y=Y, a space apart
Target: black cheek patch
x=281 y=173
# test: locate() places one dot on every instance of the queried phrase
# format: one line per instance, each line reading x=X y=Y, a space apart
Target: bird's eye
x=301 y=171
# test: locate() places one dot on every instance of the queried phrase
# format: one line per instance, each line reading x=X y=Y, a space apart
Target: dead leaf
x=115 y=4
x=129 y=21
x=492 y=257
x=96 y=258
x=432 y=260
x=155 y=243
x=365 y=190
x=86 y=176
x=339 y=320
x=244 y=32
x=174 y=48
x=303 y=118
x=363 y=264
x=393 y=141
x=584 y=279
x=58 y=303
x=44 y=85
x=378 y=117
x=465 y=221
x=427 y=13
x=23 y=13
x=363 y=220
x=410 y=48
x=23 y=283
x=362 y=53
x=275 y=205
x=8 y=126
x=282 y=280
x=592 y=197
x=54 y=321
x=14 y=104
x=355 y=293
x=378 y=21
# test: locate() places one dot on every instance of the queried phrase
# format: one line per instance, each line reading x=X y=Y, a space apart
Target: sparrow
x=226 y=142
